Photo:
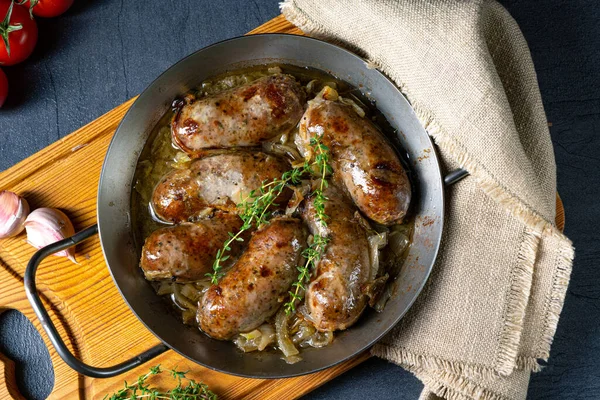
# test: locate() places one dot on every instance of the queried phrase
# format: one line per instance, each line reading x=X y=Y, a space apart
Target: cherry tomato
x=49 y=8
x=3 y=87
x=18 y=33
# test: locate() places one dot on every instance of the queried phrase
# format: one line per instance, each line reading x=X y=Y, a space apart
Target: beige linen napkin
x=490 y=309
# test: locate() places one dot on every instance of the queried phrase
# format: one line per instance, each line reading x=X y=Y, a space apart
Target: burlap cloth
x=489 y=311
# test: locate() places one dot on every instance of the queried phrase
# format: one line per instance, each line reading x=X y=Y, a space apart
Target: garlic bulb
x=48 y=225
x=13 y=211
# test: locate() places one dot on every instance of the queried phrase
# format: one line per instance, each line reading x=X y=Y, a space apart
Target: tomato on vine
x=18 y=31
x=47 y=8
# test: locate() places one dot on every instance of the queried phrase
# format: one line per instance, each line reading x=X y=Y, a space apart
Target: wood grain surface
x=83 y=302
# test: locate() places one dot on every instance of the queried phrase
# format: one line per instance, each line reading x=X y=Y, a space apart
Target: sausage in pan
x=186 y=252
x=243 y=116
x=219 y=181
x=363 y=161
x=255 y=287
x=334 y=299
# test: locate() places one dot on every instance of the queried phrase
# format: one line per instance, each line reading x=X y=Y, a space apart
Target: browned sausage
x=186 y=252
x=242 y=116
x=219 y=181
x=363 y=161
x=334 y=298
x=255 y=287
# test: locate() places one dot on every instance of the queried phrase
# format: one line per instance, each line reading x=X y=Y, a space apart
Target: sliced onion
x=165 y=288
x=161 y=149
x=202 y=285
x=251 y=335
x=283 y=337
x=282 y=150
x=377 y=241
x=267 y=337
x=375 y=288
x=315 y=86
x=190 y=292
x=305 y=331
x=181 y=160
x=257 y=339
x=305 y=314
x=328 y=93
x=388 y=290
x=303 y=147
x=349 y=102
x=308 y=336
x=399 y=240
x=311 y=86
x=181 y=301
x=244 y=345
x=300 y=192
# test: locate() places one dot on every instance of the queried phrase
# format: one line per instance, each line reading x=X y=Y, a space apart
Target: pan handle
x=53 y=335
x=455 y=176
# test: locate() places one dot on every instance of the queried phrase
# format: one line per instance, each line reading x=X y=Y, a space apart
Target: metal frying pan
x=116 y=233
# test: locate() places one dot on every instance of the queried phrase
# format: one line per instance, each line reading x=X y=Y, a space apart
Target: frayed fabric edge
x=516 y=302
x=427 y=394
x=565 y=254
x=430 y=363
x=453 y=387
x=529 y=364
x=556 y=301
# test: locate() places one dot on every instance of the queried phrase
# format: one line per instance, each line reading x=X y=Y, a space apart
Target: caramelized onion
x=190 y=292
x=257 y=339
x=165 y=288
x=181 y=301
x=283 y=150
x=283 y=337
x=377 y=241
x=350 y=102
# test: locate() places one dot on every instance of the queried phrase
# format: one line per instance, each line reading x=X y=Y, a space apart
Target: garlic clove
x=13 y=211
x=48 y=225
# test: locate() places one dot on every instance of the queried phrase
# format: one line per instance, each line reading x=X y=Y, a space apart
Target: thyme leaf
x=313 y=253
x=186 y=389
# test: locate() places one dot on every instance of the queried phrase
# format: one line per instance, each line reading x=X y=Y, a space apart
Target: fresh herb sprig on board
x=315 y=250
x=141 y=389
x=255 y=207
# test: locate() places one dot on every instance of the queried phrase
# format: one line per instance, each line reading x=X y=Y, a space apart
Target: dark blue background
x=101 y=53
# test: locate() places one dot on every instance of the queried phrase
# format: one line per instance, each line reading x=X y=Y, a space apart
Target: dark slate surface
x=20 y=342
x=102 y=53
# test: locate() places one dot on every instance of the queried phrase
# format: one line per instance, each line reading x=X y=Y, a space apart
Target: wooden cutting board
x=84 y=303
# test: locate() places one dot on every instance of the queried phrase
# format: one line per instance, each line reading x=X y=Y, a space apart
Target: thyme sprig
x=254 y=211
x=141 y=389
x=315 y=250
x=312 y=254
x=255 y=207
